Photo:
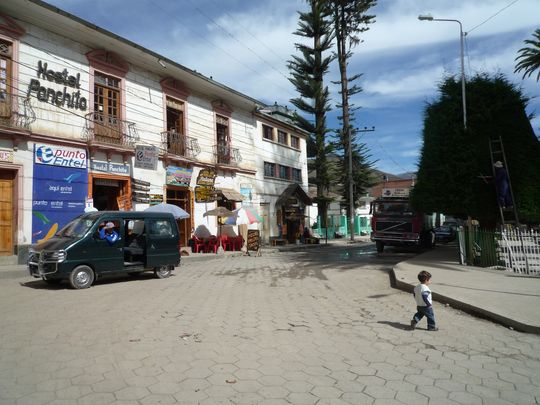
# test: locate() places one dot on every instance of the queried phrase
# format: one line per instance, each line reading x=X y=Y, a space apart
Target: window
x=283 y=172
x=269 y=169
x=297 y=175
x=222 y=137
x=107 y=106
x=268 y=132
x=175 y=127
x=282 y=137
x=5 y=78
x=160 y=227
x=295 y=142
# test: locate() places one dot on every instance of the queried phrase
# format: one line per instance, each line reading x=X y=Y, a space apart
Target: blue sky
x=245 y=44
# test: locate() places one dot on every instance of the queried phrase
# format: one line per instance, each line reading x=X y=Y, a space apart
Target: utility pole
x=351 y=185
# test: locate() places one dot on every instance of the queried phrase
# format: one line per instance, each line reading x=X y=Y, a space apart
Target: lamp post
x=461 y=37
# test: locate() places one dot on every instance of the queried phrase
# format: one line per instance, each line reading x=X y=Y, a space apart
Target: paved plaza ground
x=314 y=327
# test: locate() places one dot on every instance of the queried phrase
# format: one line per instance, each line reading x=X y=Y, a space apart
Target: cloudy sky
x=245 y=44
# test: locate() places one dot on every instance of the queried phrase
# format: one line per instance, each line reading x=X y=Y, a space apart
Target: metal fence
x=338 y=226
x=515 y=250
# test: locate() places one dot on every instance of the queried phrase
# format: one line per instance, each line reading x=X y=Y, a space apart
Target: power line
x=489 y=18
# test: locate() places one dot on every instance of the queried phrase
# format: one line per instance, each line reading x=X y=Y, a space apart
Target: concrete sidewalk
x=511 y=300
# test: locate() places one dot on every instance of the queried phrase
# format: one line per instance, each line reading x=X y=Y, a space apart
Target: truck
x=395 y=223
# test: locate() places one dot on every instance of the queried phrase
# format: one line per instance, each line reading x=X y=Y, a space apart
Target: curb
x=468 y=308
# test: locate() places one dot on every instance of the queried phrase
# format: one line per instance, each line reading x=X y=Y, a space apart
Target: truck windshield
x=396 y=208
x=76 y=228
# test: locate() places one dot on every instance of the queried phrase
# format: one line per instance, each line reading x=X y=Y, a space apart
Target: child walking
x=424 y=304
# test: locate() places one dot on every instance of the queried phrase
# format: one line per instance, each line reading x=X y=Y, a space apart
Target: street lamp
x=461 y=37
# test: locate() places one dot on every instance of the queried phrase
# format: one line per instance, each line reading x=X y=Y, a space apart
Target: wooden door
x=6 y=212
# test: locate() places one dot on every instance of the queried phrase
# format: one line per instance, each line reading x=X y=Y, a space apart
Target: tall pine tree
x=350 y=20
x=307 y=74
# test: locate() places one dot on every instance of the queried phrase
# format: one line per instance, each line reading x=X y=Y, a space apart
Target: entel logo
x=61 y=157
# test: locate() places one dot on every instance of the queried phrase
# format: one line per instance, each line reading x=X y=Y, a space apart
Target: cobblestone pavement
x=313 y=327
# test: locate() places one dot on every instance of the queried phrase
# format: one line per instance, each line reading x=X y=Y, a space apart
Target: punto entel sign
x=60 y=156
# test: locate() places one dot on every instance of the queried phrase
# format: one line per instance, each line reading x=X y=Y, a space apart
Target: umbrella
x=219 y=212
x=177 y=212
x=243 y=216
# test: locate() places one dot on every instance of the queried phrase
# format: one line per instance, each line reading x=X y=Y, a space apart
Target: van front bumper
x=37 y=267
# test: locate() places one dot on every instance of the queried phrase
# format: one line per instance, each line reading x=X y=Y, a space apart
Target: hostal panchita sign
x=65 y=98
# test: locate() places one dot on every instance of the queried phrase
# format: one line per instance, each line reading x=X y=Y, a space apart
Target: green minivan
x=83 y=249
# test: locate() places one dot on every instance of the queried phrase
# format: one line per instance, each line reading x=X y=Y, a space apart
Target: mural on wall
x=60 y=188
x=179 y=176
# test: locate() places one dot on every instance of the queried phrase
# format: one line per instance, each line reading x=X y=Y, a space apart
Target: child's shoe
x=413 y=324
x=433 y=329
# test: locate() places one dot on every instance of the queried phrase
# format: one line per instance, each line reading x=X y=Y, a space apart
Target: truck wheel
x=163 y=272
x=380 y=246
x=81 y=277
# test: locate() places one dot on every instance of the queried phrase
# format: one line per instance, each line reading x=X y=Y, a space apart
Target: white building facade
x=88 y=118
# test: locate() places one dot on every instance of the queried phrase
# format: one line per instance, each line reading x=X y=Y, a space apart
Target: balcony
x=225 y=155
x=180 y=144
x=20 y=119
x=109 y=130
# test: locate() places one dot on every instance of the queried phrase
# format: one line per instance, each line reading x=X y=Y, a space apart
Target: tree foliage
x=529 y=57
x=307 y=75
x=453 y=160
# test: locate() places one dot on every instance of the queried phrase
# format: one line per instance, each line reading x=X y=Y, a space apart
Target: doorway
x=181 y=197
x=7 y=219
x=109 y=193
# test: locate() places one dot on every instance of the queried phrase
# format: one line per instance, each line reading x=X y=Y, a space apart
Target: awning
x=293 y=190
x=230 y=194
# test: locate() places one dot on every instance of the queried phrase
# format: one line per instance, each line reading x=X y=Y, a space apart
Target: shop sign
x=61 y=98
x=146 y=157
x=206 y=177
x=395 y=192
x=179 y=176
x=205 y=194
x=246 y=191
x=155 y=198
x=58 y=195
x=109 y=167
x=6 y=155
x=60 y=156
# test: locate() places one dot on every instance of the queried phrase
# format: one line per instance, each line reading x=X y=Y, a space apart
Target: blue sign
x=59 y=195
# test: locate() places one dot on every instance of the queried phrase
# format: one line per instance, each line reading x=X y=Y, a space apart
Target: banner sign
x=109 y=167
x=205 y=194
x=59 y=195
x=60 y=156
x=146 y=157
x=179 y=176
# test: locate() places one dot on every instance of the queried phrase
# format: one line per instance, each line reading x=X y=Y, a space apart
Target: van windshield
x=76 y=228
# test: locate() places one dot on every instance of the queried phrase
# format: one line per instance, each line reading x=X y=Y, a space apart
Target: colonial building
x=89 y=118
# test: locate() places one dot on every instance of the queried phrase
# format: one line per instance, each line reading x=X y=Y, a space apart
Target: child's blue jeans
x=428 y=313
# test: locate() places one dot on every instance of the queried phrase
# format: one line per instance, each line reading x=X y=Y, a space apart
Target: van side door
x=107 y=254
x=162 y=242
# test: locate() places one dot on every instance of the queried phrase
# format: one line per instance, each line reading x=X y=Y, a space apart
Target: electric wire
x=494 y=15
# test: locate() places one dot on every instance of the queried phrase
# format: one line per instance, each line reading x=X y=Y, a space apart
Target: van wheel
x=380 y=246
x=163 y=272
x=81 y=277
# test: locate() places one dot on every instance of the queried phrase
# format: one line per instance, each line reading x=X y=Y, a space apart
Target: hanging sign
x=146 y=157
x=109 y=167
x=179 y=176
x=206 y=177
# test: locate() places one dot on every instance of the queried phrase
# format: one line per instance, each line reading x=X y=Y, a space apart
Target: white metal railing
x=520 y=251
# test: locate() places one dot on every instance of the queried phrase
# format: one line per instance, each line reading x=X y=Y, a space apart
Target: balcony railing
x=22 y=118
x=103 y=128
x=180 y=144
x=224 y=154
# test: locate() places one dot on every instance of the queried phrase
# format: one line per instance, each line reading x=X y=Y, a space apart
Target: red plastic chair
x=227 y=242
x=238 y=242
x=199 y=245
x=212 y=244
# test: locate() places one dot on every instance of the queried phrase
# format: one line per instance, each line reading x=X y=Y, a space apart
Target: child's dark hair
x=423 y=276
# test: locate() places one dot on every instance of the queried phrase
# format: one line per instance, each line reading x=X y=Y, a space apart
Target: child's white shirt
x=422 y=295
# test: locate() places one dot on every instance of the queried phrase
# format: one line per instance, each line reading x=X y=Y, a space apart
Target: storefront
x=291 y=212
x=109 y=185
x=178 y=193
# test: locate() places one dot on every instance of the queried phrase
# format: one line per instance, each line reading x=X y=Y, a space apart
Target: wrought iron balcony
x=224 y=154
x=180 y=144
x=22 y=118
x=102 y=128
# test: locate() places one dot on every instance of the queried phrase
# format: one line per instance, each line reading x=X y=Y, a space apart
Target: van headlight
x=53 y=256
